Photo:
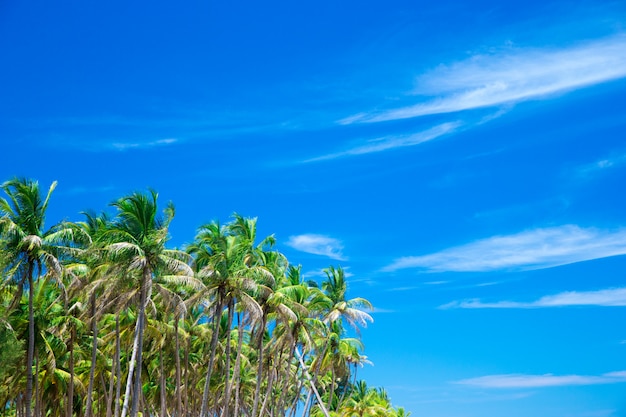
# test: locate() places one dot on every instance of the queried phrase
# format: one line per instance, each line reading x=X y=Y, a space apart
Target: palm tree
x=338 y=308
x=226 y=259
x=136 y=243
x=365 y=401
x=31 y=250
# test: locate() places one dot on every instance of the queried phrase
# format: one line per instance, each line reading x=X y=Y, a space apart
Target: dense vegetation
x=101 y=318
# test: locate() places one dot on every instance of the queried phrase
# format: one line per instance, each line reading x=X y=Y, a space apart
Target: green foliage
x=227 y=325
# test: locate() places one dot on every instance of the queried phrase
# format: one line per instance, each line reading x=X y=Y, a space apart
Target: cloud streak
x=123 y=146
x=513 y=76
x=317 y=245
x=393 y=142
x=611 y=297
x=541 y=381
x=533 y=249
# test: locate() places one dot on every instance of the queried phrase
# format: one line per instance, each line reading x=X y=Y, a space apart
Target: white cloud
x=533 y=249
x=392 y=142
x=612 y=297
x=120 y=146
x=588 y=170
x=321 y=273
x=317 y=245
x=540 y=381
x=512 y=76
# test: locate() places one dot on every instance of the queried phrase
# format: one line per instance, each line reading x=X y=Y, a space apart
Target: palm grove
x=101 y=318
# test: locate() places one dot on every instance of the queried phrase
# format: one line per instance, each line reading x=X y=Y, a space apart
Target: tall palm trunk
x=217 y=315
x=94 y=352
x=37 y=390
x=225 y=409
x=237 y=371
x=282 y=400
x=259 y=375
x=31 y=342
x=141 y=319
x=312 y=382
x=118 y=368
x=70 y=388
x=178 y=376
x=131 y=365
x=187 y=400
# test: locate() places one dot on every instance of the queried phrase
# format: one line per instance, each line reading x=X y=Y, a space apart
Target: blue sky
x=464 y=161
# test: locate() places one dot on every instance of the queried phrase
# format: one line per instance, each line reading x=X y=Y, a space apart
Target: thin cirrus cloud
x=393 y=142
x=541 y=381
x=589 y=170
x=317 y=245
x=508 y=77
x=121 y=146
x=532 y=249
x=611 y=297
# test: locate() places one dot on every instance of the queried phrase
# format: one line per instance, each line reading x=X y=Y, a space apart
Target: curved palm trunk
x=268 y=391
x=281 y=403
x=312 y=382
x=141 y=320
x=259 y=377
x=216 y=329
x=135 y=361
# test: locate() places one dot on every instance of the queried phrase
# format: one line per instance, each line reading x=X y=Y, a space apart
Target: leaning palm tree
x=30 y=251
x=136 y=244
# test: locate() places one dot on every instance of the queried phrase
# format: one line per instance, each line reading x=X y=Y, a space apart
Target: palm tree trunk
x=141 y=319
x=131 y=370
x=231 y=308
x=186 y=396
x=94 y=352
x=311 y=381
x=70 y=388
x=282 y=400
x=31 y=343
x=237 y=371
x=268 y=391
x=37 y=393
x=259 y=375
x=177 y=357
x=118 y=368
x=217 y=315
x=109 y=411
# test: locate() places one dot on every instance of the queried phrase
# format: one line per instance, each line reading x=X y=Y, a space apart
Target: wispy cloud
x=612 y=297
x=588 y=170
x=540 y=381
x=533 y=249
x=392 y=142
x=510 y=76
x=123 y=146
x=321 y=273
x=317 y=245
